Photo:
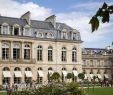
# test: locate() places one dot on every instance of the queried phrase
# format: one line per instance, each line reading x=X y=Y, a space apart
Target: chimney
x=52 y=19
x=27 y=17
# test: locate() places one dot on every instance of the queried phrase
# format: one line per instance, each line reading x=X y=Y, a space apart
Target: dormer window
x=26 y=31
x=74 y=36
x=40 y=35
x=16 y=30
x=64 y=35
x=49 y=35
x=5 y=28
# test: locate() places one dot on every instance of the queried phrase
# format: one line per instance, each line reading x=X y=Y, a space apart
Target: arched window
x=6 y=69
x=40 y=35
x=17 y=69
x=27 y=52
x=49 y=35
x=39 y=53
x=63 y=68
x=74 y=55
x=5 y=51
x=63 y=54
x=40 y=68
x=27 y=69
x=74 y=68
x=16 y=51
x=50 y=53
x=50 y=68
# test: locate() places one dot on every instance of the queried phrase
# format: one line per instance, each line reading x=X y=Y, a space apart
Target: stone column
x=12 y=75
x=22 y=51
x=23 y=74
x=11 y=50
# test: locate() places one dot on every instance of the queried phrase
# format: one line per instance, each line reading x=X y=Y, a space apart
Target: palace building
x=33 y=50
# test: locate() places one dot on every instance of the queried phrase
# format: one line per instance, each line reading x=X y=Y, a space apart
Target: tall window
x=26 y=30
x=64 y=35
x=74 y=55
x=5 y=29
x=27 y=52
x=16 y=51
x=39 y=53
x=63 y=54
x=50 y=53
x=5 y=51
x=74 y=36
x=16 y=30
x=17 y=79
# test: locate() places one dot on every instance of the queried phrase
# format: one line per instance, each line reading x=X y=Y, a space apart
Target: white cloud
x=80 y=21
x=16 y=9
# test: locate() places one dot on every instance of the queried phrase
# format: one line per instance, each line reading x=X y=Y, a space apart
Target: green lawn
x=101 y=91
x=3 y=93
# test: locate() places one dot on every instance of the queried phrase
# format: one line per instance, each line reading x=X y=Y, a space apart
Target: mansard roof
x=34 y=23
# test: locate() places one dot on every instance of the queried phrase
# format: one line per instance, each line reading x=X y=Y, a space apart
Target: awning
x=64 y=73
x=91 y=76
x=85 y=76
x=99 y=76
x=6 y=74
x=106 y=76
x=50 y=72
x=75 y=73
x=18 y=74
x=40 y=73
x=28 y=74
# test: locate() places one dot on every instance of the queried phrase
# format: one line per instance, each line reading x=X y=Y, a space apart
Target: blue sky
x=75 y=13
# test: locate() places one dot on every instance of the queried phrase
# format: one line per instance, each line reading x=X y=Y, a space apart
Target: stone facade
x=24 y=49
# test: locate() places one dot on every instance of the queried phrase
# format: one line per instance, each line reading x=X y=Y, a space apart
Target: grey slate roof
x=34 y=23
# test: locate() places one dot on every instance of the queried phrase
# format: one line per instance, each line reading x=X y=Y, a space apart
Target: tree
x=81 y=76
x=55 y=76
x=69 y=76
x=102 y=14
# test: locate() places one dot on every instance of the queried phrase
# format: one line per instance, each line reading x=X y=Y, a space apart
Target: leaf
x=104 y=6
x=94 y=23
x=105 y=16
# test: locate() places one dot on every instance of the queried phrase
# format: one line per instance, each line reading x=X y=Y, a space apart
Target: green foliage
x=81 y=76
x=103 y=12
x=54 y=89
x=55 y=76
x=69 y=75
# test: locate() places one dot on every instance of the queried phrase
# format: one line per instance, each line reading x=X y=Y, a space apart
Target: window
x=64 y=35
x=27 y=52
x=50 y=54
x=74 y=55
x=49 y=35
x=39 y=53
x=27 y=69
x=5 y=29
x=6 y=80
x=5 y=51
x=17 y=79
x=63 y=55
x=40 y=35
x=28 y=79
x=16 y=31
x=74 y=36
x=26 y=31
x=16 y=52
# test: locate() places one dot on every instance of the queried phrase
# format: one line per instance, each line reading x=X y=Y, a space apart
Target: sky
x=75 y=13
